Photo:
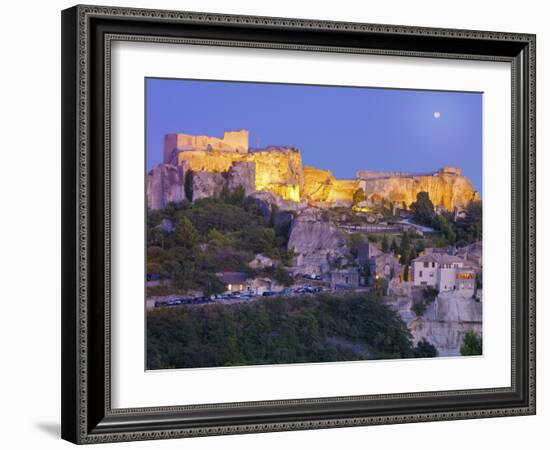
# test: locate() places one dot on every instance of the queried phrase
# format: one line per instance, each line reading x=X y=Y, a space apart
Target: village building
x=344 y=278
x=444 y=272
x=384 y=265
x=234 y=281
x=471 y=253
x=239 y=282
x=448 y=250
x=366 y=251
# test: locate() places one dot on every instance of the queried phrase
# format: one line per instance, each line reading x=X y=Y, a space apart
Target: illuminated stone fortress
x=228 y=162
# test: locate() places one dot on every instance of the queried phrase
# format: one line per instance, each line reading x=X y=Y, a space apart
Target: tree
x=359 y=196
x=419 y=308
x=471 y=344
x=423 y=208
x=405 y=249
x=406 y=273
x=385 y=244
x=393 y=246
x=444 y=225
x=367 y=272
x=186 y=233
x=188 y=185
x=424 y=349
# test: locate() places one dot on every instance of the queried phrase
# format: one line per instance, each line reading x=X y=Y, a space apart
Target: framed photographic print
x=281 y=224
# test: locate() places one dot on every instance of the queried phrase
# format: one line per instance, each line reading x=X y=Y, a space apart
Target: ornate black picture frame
x=87 y=33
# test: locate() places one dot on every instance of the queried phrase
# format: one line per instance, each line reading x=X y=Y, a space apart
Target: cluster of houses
x=447 y=269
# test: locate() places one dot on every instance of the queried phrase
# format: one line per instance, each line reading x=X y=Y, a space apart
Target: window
x=420 y=274
x=426 y=263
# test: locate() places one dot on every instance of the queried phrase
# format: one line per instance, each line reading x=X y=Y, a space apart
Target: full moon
x=437 y=114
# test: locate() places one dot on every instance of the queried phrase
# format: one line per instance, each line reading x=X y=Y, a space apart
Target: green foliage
x=279 y=274
x=367 y=273
x=424 y=349
x=393 y=246
x=406 y=273
x=469 y=229
x=423 y=208
x=186 y=233
x=405 y=249
x=235 y=197
x=212 y=234
x=430 y=294
x=471 y=344
x=188 y=185
x=419 y=308
x=354 y=241
x=444 y=225
x=359 y=196
x=276 y=331
x=385 y=244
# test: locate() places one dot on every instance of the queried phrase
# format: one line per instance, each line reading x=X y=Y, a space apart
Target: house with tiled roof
x=444 y=272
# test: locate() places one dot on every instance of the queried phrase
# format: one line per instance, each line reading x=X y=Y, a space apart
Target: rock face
x=207 y=184
x=165 y=184
x=277 y=169
x=445 y=321
x=242 y=174
x=320 y=186
x=447 y=187
x=316 y=243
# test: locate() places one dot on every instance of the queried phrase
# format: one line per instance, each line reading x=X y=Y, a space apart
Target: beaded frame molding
x=87 y=35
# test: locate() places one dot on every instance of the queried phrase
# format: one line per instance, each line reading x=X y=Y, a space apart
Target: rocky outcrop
x=445 y=321
x=320 y=186
x=207 y=184
x=317 y=244
x=242 y=174
x=447 y=187
x=165 y=184
x=261 y=262
x=277 y=169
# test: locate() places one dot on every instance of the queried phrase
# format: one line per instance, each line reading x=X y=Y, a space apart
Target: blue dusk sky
x=343 y=129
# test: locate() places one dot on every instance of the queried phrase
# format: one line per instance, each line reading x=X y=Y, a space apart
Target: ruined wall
x=232 y=141
x=446 y=188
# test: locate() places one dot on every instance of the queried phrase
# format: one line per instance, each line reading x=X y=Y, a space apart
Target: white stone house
x=444 y=272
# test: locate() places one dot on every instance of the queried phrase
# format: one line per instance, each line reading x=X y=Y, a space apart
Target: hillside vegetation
x=277 y=331
x=209 y=236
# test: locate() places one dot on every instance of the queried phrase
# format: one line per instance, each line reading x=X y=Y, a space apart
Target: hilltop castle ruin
x=229 y=162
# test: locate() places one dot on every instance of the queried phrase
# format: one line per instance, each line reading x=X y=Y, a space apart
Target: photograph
x=301 y=223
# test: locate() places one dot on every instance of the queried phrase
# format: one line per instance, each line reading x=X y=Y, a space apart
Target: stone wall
x=447 y=188
x=232 y=141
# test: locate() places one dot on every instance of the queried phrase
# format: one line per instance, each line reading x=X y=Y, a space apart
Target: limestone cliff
x=445 y=321
x=165 y=184
x=322 y=186
x=207 y=184
x=447 y=187
x=316 y=243
x=277 y=169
